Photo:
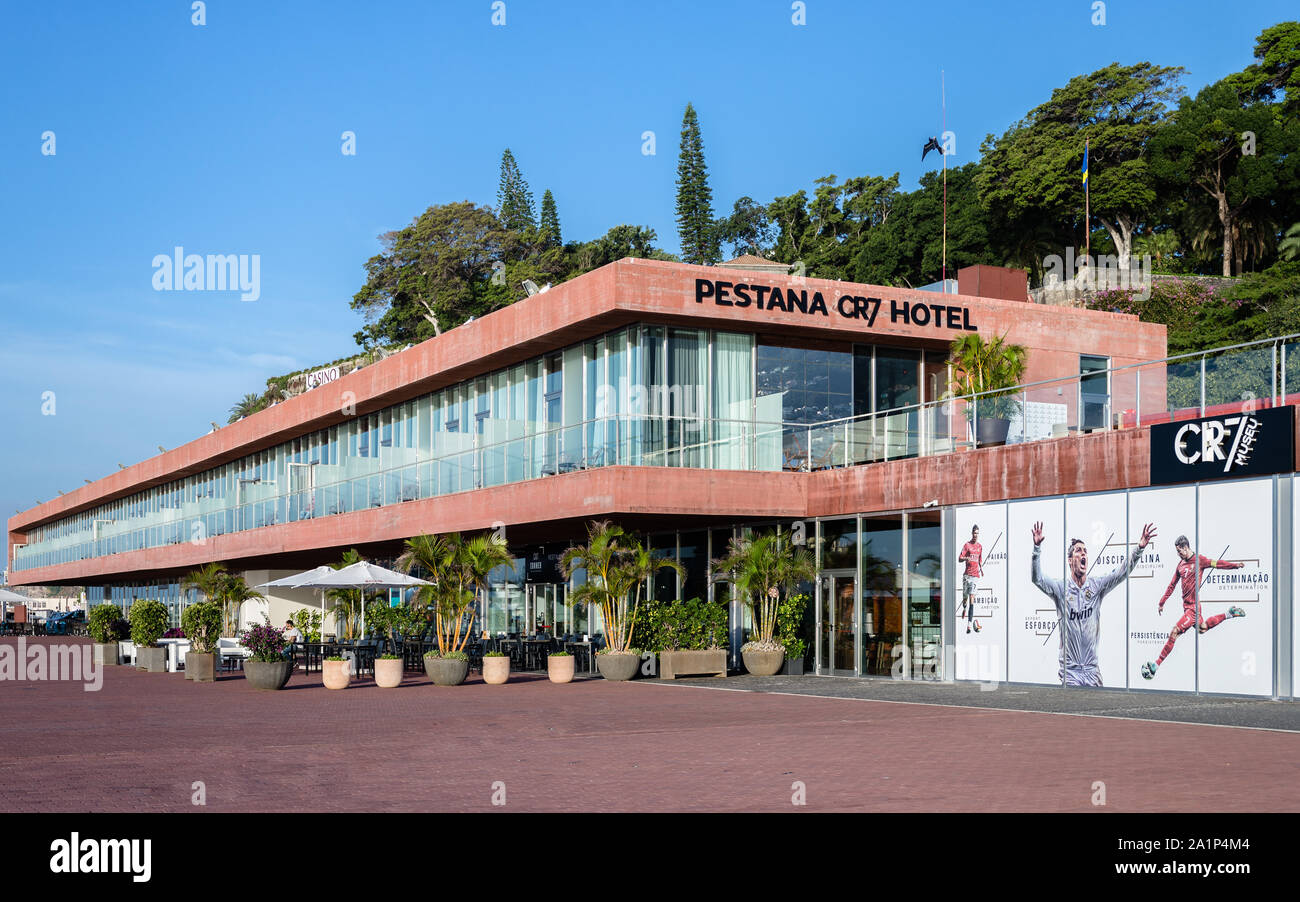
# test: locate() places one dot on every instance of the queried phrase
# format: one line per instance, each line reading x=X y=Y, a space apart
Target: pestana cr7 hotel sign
x=847 y=306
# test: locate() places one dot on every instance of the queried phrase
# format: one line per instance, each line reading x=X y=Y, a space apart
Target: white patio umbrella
x=361 y=575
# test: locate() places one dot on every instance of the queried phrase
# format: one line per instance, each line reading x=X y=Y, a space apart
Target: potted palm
x=496 y=668
x=103 y=625
x=202 y=624
x=148 y=623
x=458 y=569
x=618 y=569
x=268 y=665
x=982 y=367
x=763 y=566
x=559 y=667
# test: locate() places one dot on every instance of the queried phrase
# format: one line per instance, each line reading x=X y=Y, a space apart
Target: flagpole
x=1087 y=213
x=943 y=151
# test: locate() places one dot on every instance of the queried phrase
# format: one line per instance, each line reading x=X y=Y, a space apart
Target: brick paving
x=141 y=742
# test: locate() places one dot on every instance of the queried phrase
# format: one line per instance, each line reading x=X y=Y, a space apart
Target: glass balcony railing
x=1226 y=380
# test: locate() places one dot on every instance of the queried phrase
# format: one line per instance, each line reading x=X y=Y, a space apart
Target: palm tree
x=982 y=366
x=237 y=592
x=617 y=570
x=477 y=558
x=212 y=582
x=762 y=567
x=458 y=568
x=248 y=405
x=636 y=572
x=1289 y=247
x=347 y=602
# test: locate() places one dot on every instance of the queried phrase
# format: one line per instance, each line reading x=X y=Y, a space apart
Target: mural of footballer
x=1186 y=571
x=1078 y=604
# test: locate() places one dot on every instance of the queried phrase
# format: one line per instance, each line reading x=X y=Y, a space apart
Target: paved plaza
x=739 y=744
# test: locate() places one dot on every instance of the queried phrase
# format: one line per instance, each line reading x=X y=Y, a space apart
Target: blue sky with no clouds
x=225 y=139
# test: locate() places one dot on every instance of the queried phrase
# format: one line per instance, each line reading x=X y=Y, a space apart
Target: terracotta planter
x=704 y=662
x=618 y=667
x=496 y=670
x=560 y=668
x=151 y=660
x=446 y=671
x=388 y=673
x=105 y=654
x=337 y=674
x=200 y=667
x=267 y=674
x=763 y=663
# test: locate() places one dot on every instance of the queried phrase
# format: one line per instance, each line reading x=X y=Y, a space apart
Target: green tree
x=514 y=200
x=748 y=229
x=1276 y=70
x=982 y=366
x=1033 y=172
x=247 y=406
x=550 y=227
x=694 y=197
x=1233 y=155
x=435 y=274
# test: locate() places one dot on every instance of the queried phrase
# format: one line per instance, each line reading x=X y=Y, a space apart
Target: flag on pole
x=1085 y=162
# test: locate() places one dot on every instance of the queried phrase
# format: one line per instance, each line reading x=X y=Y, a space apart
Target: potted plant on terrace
x=559 y=667
x=988 y=366
x=267 y=666
x=202 y=624
x=762 y=566
x=148 y=623
x=496 y=668
x=458 y=569
x=693 y=632
x=388 y=671
x=336 y=672
x=618 y=569
x=104 y=625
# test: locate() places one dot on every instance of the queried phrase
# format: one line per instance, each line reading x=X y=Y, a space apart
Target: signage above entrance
x=1255 y=443
x=848 y=306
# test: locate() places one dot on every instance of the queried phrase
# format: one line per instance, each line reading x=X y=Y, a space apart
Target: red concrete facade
x=631 y=291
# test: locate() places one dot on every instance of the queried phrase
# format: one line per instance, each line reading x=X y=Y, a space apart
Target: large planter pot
x=496 y=670
x=446 y=671
x=792 y=667
x=151 y=660
x=337 y=674
x=707 y=662
x=560 y=668
x=991 y=431
x=267 y=674
x=201 y=667
x=618 y=667
x=763 y=663
x=388 y=673
x=105 y=654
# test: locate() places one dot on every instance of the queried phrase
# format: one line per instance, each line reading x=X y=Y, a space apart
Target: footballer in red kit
x=1190 y=566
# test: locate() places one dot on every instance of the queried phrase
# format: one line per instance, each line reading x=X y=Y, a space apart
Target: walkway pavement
x=146 y=741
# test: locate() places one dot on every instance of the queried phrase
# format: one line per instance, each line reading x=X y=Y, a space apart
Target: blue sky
x=225 y=138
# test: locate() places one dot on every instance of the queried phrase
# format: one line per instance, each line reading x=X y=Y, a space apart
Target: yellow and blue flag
x=1085 y=163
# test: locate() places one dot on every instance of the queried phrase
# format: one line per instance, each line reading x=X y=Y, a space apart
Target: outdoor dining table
x=583 y=650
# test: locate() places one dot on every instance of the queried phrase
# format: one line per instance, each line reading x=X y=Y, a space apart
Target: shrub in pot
x=268 y=664
x=980 y=366
x=496 y=667
x=761 y=566
x=693 y=636
x=104 y=626
x=202 y=623
x=559 y=667
x=148 y=623
x=388 y=671
x=618 y=569
x=791 y=628
x=337 y=672
x=450 y=669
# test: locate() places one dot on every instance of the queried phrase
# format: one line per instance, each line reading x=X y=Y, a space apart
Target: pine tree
x=550 y=228
x=694 y=198
x=514 y=200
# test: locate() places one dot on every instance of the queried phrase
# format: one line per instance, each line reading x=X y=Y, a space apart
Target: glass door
x=836 y=623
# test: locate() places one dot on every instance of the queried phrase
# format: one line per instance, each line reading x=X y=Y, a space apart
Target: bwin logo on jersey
x=1242 y=430
x=1081 y=615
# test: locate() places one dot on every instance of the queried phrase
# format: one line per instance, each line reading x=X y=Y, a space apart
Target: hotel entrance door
x=837 y=593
